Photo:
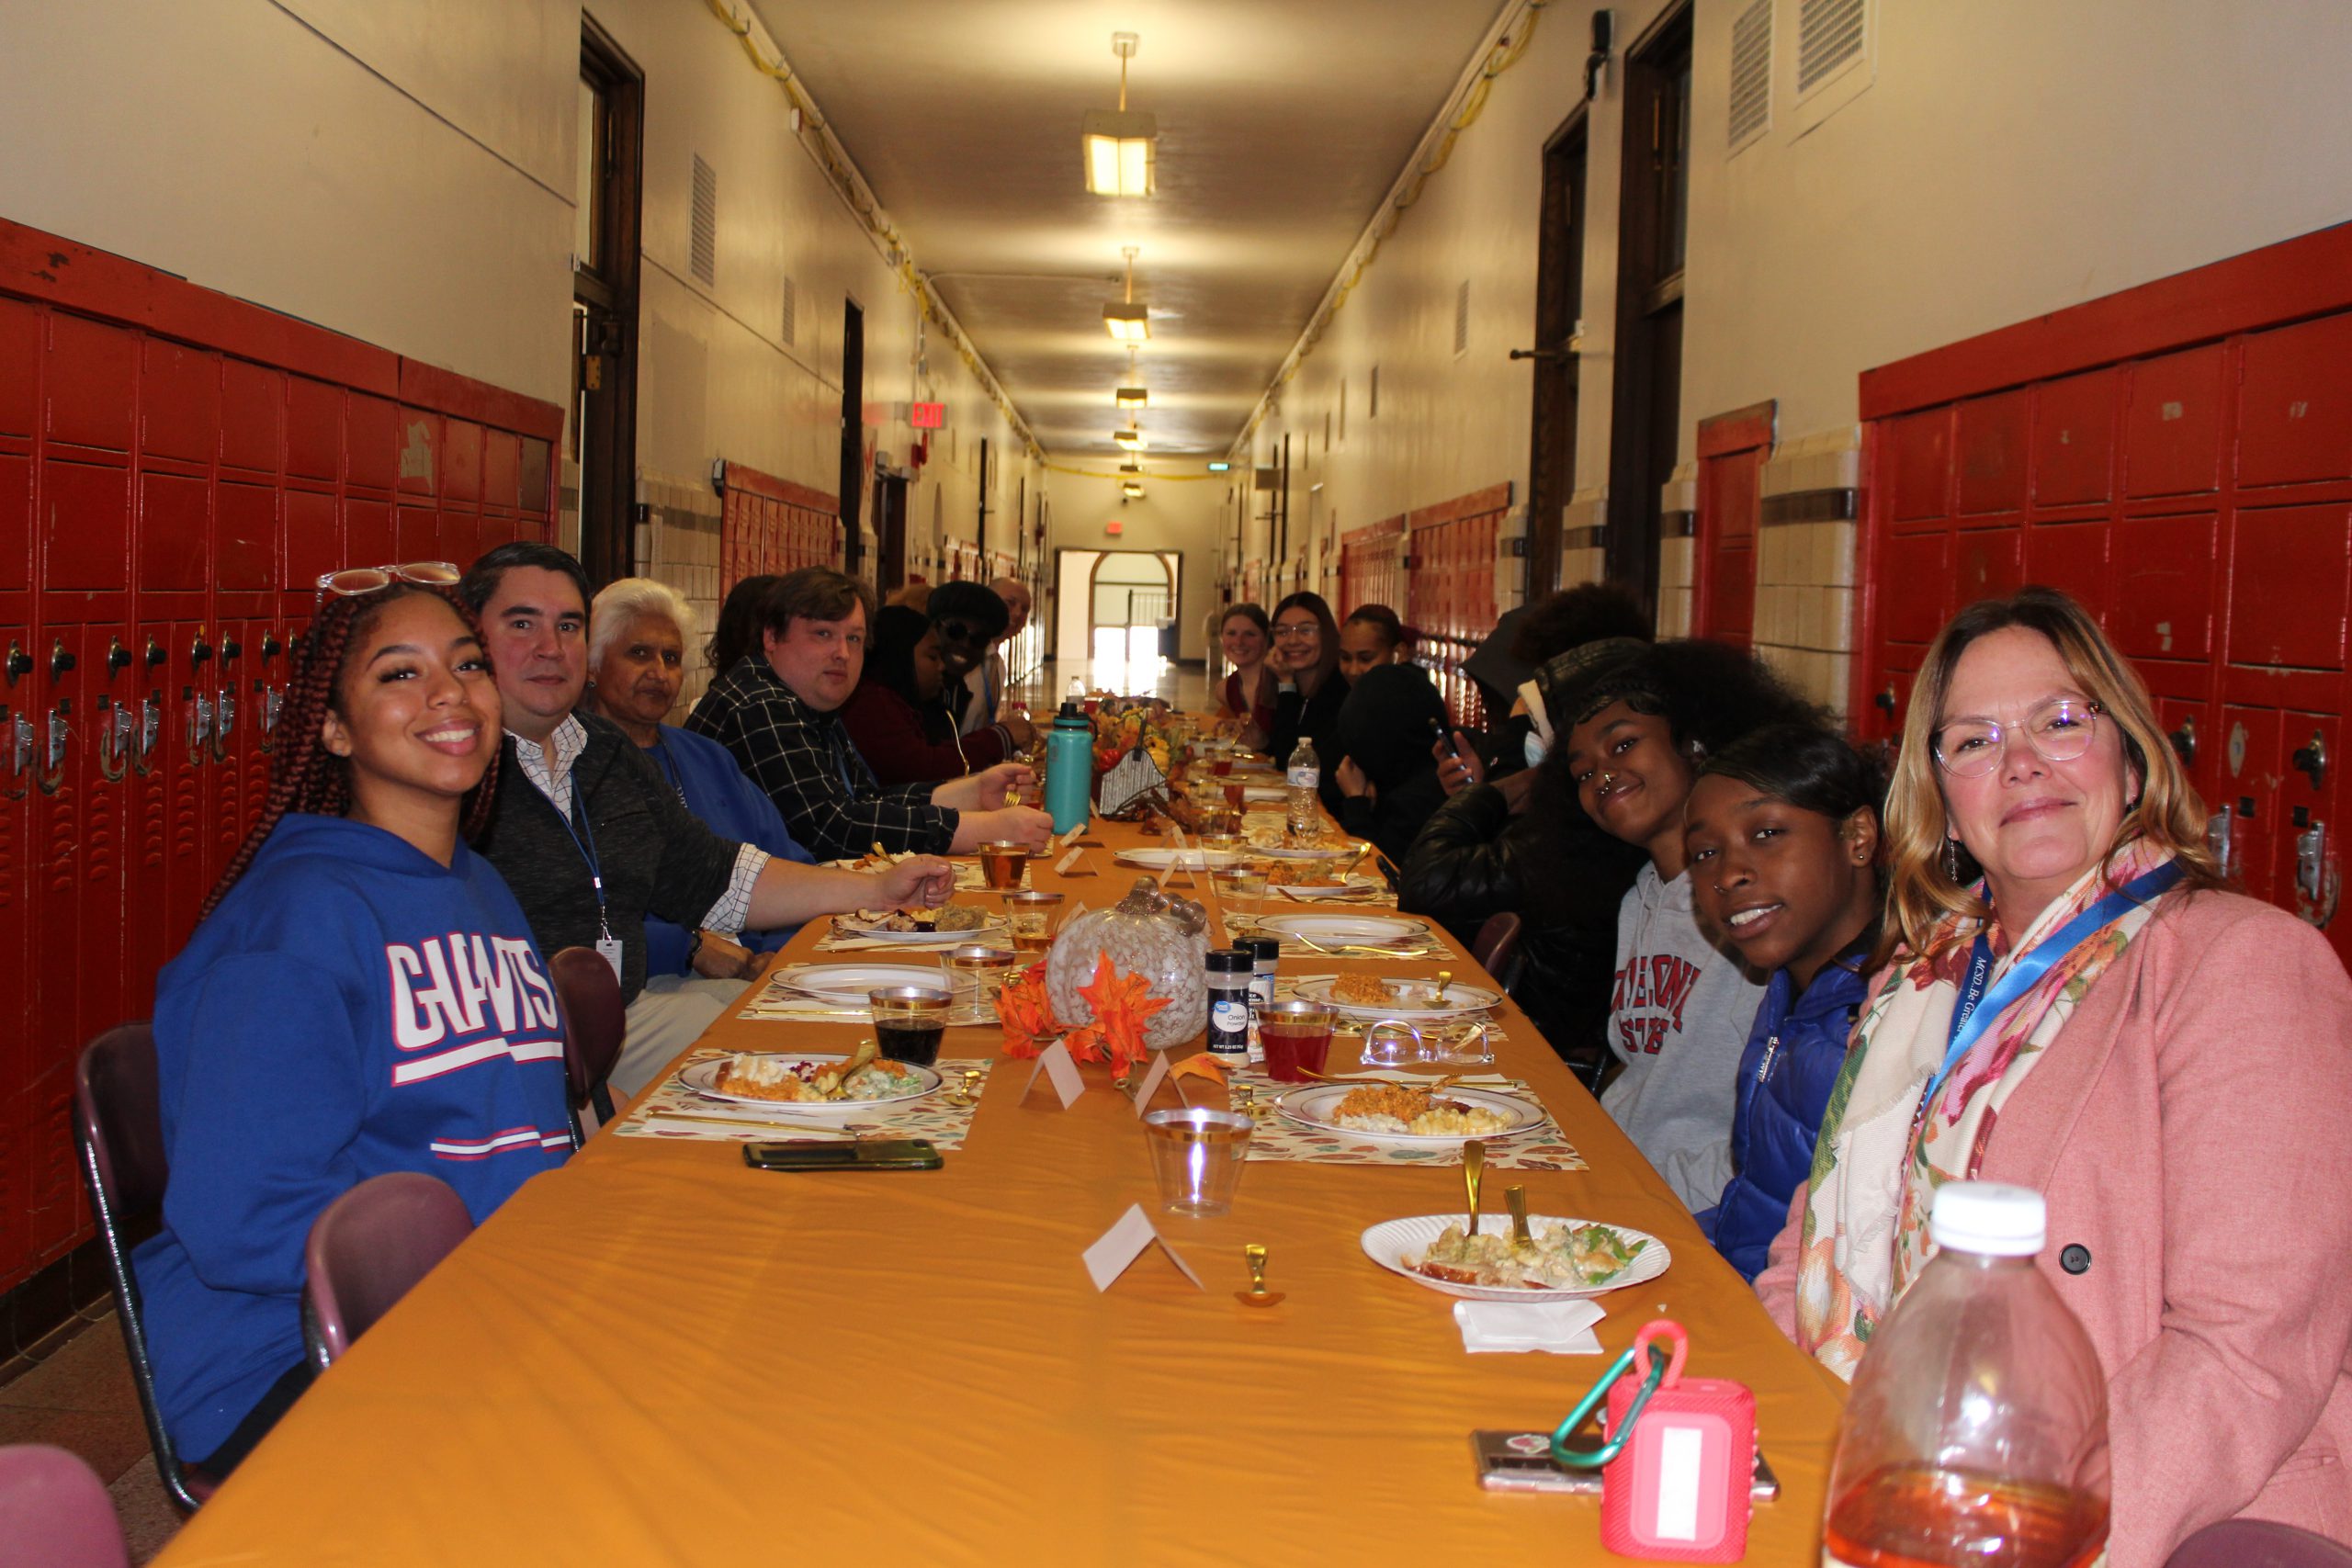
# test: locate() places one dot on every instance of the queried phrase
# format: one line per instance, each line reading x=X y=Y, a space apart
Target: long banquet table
x=658 y=1355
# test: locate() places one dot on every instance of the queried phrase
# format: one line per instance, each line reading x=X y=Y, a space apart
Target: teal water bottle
x=1070 y=763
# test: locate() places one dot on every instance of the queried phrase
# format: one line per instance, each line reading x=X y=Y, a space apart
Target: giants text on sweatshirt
x=352 y=1008
x=1679 y=1020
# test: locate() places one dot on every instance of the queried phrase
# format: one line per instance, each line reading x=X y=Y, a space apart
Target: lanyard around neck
x=578 y=825
x=1977 y=1007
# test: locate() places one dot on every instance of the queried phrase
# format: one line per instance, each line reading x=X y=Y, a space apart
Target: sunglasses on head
x=355 y=580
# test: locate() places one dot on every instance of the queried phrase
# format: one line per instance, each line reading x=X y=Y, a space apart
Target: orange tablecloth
x=659 y=1355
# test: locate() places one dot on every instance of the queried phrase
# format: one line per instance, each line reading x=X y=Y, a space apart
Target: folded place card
x=1062 y=866
x=1154 y=1076
x=1123 y=1243
x=1564 y=1328
x=1059 y=1068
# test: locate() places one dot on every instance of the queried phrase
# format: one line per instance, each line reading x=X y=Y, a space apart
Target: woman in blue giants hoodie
x=1782 y=834
x=361 y=996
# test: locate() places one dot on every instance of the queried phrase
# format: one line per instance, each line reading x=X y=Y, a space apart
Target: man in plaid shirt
x=777 y=715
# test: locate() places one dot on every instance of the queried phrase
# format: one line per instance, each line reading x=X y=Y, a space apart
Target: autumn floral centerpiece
x=1119 y=984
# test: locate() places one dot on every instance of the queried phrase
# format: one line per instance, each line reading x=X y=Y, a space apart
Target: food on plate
x=1363 y=990
x=946 y=918
x=866 y=1075
x=1395 y=1108
x=1557 y=1256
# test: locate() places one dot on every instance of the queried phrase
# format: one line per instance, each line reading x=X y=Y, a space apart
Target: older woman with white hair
x=638 y=631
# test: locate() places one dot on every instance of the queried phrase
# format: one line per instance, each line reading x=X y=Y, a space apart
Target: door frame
x=608 y=417
x=1559 y=306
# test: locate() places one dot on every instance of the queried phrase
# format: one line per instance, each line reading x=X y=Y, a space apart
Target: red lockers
x=176 y=469
x=1371 y=567
x=768 y=526
x=2179 y=457
x=1450 y=558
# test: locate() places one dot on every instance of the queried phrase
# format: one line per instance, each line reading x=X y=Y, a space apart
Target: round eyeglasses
x=2059 y=731
x=1288 y=630
x=354 y=581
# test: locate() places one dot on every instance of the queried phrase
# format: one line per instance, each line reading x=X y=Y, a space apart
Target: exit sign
x=1115 y=527
x=927 y=416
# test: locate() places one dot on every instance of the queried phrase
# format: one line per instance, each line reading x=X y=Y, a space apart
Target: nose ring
x=1607 y=779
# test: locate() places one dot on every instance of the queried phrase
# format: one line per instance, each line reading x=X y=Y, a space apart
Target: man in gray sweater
x=591 y=837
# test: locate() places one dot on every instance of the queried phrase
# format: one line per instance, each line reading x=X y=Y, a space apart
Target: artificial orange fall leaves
x=1122 y=1004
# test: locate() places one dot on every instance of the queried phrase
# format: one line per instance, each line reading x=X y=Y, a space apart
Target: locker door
x=18 y=874
x=179 y=676
x=2247 y=785
x=2295 y=404
x=2305 y=869
x=2162 y=604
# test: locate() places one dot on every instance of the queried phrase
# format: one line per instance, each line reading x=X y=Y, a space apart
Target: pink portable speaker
x=1678 y=1488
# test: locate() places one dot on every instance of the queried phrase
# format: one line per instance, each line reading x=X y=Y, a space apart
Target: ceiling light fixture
x=1131 y=438
x=1117 y=146
x=1128 y=323
x=1132 y=490
x=1219 y=468
x=1132 y=397
x=1131 y=466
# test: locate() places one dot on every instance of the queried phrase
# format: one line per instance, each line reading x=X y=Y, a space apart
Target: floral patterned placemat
x=1279 y=1137
x=932 y=1116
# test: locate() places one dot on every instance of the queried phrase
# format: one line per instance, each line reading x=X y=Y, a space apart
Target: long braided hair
x=305 y=775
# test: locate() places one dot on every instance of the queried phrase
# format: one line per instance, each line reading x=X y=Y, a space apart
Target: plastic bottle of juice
x=1976 y=1432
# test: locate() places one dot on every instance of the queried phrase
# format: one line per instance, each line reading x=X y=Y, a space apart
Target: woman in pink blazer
x=2169 y=1064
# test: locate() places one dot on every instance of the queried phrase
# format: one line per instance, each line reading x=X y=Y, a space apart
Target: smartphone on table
x=1523 y=1461
x=860 y=1153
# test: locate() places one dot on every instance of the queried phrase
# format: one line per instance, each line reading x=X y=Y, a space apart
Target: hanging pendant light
x=1117 y=146
x=1128 y=321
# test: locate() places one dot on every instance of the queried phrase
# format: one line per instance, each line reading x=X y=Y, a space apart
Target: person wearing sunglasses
x=593 y=840
x=968 y=620
x=2068 y=1000
x=362 y=995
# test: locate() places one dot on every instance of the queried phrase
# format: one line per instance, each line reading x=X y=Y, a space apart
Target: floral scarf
x=1881 y=1154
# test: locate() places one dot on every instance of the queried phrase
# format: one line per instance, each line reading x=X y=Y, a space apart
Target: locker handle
x=2222 y=840
x=2312 y=760
x=199 y=723
x=155 y=654
x=52 y=776
x=118 y=656
x=1885 y=700
x=60 y=658
x=114 y=738
x=19 y=731
x=20 y=664
x=2184 y=742
x=270 y=699
x=270 y=646
x=2317 y=881
x=225 y=711
x=199 y=650
x=230 y=649
x=151 y=730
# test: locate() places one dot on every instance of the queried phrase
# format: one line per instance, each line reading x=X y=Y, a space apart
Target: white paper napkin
x=1564 y=1328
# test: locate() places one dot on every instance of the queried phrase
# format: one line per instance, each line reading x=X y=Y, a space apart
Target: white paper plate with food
x=1564 y=1258
x=1407 y=1115
x=1188 y=859
x=1373 y=995
x=849 y=982
x=1355 y=887
x=969 y=877
x=947 y=920
x=1335 y=930
x=808 y=1083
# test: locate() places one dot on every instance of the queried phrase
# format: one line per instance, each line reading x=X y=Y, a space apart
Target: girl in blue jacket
x=1782 y=834
x=362 y=996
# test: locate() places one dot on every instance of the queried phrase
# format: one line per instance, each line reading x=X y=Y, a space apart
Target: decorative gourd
x=1148 y=933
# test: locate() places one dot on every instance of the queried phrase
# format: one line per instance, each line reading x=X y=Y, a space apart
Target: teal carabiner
x=1562 y=1454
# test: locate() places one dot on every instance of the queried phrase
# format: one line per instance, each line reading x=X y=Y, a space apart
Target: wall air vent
x=1752 y=73
x=791 y=314
x=702 y=251
x=1462 y=318
x=1829 y=38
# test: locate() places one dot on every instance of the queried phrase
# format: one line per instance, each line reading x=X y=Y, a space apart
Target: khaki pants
x=668 y=1015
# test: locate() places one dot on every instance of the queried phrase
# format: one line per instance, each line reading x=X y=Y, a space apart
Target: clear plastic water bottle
x=1306 y=777
x=1976 y=1432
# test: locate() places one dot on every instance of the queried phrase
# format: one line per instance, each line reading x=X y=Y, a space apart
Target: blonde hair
x=2168 y=813
x=623 y=600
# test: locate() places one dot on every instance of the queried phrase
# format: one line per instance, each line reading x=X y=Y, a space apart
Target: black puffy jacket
x=1474 y=859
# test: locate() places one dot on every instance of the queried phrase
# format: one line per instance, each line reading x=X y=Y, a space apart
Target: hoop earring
x=1951 y=859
